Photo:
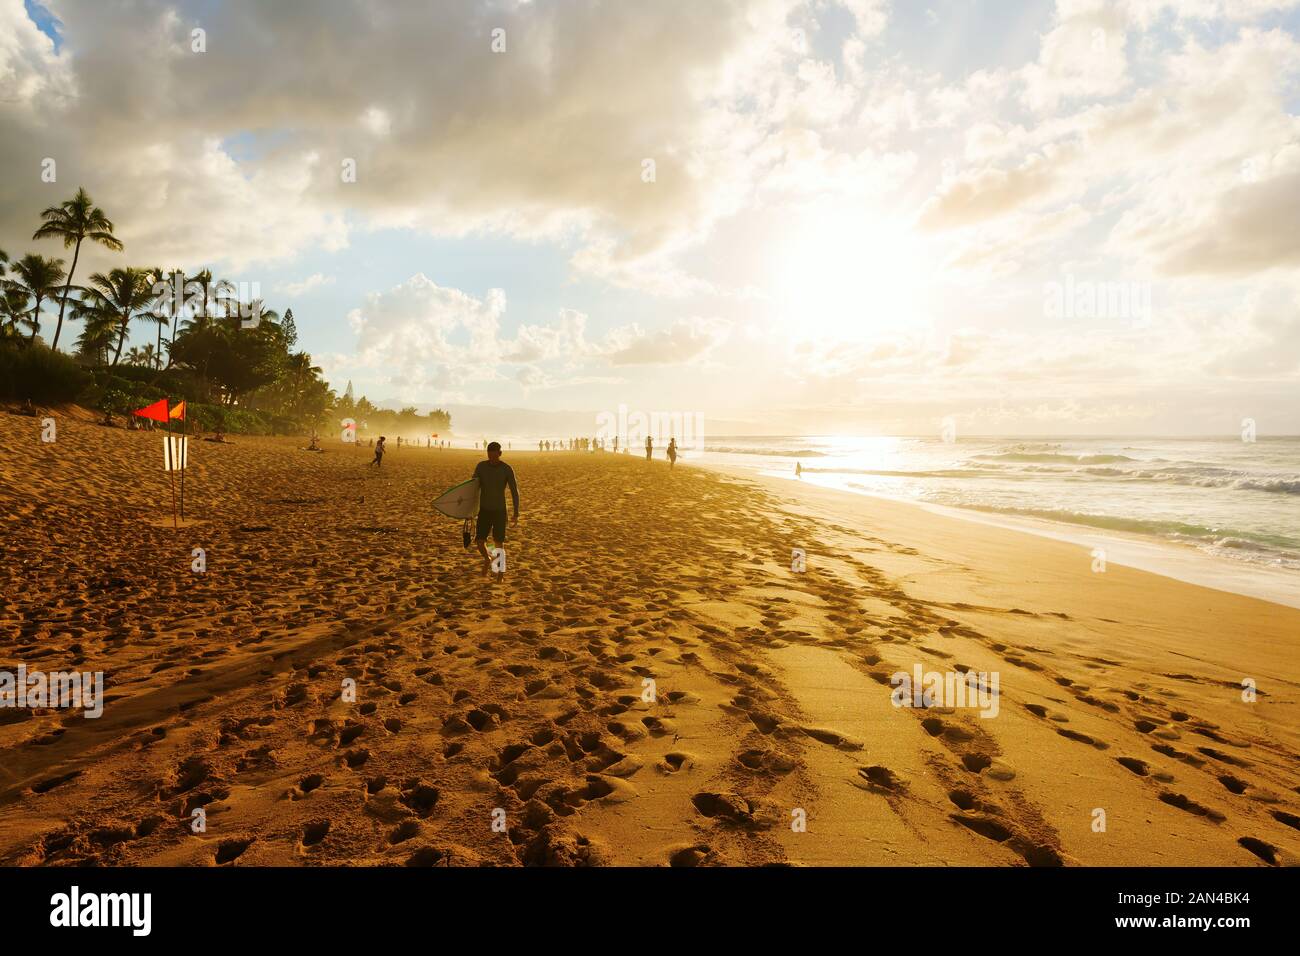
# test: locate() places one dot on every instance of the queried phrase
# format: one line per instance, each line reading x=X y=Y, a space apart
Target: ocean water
x=1234 y=500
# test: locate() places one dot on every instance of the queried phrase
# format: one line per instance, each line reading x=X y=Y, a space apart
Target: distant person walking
x=494 y=476
x=378 y=460
x=798 y=470
x=672 y=453
x=649 y=447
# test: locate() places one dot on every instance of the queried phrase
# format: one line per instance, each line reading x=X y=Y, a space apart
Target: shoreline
x=1183 y=563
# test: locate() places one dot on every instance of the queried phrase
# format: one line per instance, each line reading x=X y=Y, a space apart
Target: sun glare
x=842 y=275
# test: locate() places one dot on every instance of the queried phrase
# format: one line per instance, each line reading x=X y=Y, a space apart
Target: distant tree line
x=234 y=361
x=408 y=421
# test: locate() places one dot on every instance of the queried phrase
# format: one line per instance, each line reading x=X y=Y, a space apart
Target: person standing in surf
x=494 y=476
x=672 y=453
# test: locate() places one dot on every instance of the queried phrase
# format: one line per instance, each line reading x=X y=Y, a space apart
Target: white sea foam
x=1226 y=497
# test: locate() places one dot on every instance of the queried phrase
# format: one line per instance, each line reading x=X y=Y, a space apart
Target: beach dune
x=657 y=680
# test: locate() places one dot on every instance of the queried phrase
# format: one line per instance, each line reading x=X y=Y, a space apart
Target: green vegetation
x=381 y=421
x=235 y=363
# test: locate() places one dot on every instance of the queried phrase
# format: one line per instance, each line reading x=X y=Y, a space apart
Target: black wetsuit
x=492 y=483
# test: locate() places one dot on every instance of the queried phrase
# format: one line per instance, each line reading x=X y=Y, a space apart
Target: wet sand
x=651 y=683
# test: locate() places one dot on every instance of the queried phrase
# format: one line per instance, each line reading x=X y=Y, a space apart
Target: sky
x=1021 y=217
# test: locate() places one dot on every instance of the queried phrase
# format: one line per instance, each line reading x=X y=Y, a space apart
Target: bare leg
x=482 y=550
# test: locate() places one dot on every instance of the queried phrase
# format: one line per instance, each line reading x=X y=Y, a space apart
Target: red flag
x=179 y=411
x=157 y=411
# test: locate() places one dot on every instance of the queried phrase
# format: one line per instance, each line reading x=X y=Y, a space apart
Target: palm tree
x=202 y=329
x=300 y=368
x=99 y=328
x=123 y=292
x=14 y=312
x=73 y=221
x=38 y=278
x=258 y=310
x=201 y=282
x=169 y=284
x=4 y=258
x=170 y=306
x=138 y=355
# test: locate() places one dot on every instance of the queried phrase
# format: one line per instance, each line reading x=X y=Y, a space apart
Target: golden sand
x=651 y=683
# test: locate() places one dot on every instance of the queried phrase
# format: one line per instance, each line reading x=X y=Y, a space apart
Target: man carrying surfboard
x=494 y=476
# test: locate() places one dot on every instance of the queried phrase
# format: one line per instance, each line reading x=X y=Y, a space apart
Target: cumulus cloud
x=313 y=281
x=235 y=154
x=419 y=334
x=1084 y=55
x=987 y=193
x=682 y=342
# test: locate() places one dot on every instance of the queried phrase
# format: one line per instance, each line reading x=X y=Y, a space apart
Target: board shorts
x=490 y=521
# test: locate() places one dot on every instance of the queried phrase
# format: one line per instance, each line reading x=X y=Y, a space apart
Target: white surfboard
x=459 y=501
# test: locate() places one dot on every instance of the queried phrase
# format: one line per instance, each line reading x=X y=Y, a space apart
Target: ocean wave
x=1201 y=534
x=1051 y=457
x=1243 y=544
x=1196 y=476
x=1288 y=485
x=1207 y=478
x=937 y=473
x=1030 y=447
x=771 y=452
x=1277 y=547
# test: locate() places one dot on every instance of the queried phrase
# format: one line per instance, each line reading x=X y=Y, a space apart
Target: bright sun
x=848 y=276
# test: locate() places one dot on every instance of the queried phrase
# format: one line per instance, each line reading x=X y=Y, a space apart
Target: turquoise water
x=1233 y=499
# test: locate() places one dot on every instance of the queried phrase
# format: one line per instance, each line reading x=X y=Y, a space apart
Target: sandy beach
x=652 y=683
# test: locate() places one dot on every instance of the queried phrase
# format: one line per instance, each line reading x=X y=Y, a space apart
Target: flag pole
x=171 y=472
x=183 y=457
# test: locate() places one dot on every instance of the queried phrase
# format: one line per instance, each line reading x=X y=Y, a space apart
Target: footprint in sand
x=1232 y=784
x=984 y=827
x=1184 y=803
x=733 y=808
x=45 y=786
x=1264 y=851
x=675 y=762
x=314 y=833
x=1138 y=767
x=1082 y=738
x=835 y=738
x=767 y=761
x=878 y=779
x=699 y=854
x=1222 y=757
x=230 y=850
x=404 y=831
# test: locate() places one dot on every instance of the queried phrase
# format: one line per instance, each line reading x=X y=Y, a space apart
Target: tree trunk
x=36 y=321
x=64 y=304
x=121 y=337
